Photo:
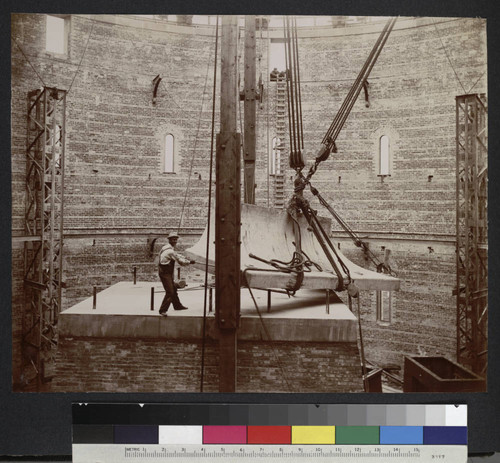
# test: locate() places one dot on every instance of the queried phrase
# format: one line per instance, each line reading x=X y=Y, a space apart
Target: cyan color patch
x=401 y=435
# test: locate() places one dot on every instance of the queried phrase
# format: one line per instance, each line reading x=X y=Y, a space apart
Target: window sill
x=383 y=323
x=59 y=56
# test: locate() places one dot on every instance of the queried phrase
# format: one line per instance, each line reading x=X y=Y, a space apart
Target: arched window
x=168 y=159
x=275 y=157
x=384 y=156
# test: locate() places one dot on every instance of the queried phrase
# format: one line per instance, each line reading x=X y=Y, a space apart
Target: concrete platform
x=123 y=310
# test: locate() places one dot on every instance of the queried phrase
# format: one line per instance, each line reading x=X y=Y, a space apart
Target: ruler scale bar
x=346 y=454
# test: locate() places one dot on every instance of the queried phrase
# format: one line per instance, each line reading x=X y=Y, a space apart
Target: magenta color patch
x=224 y=434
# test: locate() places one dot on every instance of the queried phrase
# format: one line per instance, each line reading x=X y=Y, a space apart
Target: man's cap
x=172 y=235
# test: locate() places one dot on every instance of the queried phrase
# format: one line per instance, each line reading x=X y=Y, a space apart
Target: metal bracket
x=367 y=97
x=156 y=83
x=151 y=245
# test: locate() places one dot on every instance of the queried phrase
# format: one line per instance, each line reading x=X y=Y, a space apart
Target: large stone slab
x=268 y=233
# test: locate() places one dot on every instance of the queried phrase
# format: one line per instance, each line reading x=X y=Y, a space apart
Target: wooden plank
x=227 y=230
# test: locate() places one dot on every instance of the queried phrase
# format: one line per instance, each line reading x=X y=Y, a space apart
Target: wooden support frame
x=250 y=104
x=228 y=211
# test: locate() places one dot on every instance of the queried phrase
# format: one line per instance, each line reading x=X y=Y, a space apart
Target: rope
x=27 y=60
x=475 y=83
x=328 y=141
x=449 y=60
x=209 y=210
x=289 y=90
x=301 y=126
x=194 y=149
x=294 y=94
x=348 y=104
x=83 y=54
x=270 y=153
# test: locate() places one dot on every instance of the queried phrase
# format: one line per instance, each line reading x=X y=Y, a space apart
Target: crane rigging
x=298 y=203
x=301 y=253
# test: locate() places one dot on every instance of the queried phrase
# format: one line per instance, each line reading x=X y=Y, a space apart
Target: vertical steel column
x=228 y=211
x=43 y=229
x=472 y=231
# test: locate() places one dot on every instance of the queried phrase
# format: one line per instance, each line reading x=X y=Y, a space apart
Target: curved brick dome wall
x=116 y=194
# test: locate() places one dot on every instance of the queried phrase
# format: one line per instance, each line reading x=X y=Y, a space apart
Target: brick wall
x=423 y=316
x=116 y=194
x=159 y=365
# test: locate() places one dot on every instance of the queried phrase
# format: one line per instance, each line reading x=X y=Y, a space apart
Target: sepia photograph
x=249 y=203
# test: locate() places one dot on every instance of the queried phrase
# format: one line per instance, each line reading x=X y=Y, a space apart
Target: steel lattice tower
x=472 y=231
x=44 y=230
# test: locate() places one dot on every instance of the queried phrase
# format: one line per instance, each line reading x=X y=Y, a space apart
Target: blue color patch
x=445 y=435
x=401 y=435
x=136 y=434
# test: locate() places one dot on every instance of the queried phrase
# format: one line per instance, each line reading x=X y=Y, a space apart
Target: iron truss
x=472 y=232
x=44 y=225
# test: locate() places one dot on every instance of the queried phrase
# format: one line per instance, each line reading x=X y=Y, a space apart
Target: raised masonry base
x=123 y=346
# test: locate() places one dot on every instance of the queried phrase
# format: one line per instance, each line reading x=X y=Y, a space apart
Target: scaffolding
x=43 y=222
x=472 y=231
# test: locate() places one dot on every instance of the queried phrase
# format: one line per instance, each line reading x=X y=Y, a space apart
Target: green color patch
x=368 y=435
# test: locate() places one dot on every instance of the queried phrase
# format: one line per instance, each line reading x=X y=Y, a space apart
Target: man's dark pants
x=167 y=278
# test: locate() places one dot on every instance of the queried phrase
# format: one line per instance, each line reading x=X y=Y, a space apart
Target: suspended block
x=268 y=234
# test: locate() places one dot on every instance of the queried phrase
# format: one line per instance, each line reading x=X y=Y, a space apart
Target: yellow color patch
x=313 y=434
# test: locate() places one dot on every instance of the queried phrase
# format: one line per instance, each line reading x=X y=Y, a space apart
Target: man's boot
x=180 y=307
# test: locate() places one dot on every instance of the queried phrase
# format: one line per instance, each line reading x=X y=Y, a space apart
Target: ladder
x=281 y=114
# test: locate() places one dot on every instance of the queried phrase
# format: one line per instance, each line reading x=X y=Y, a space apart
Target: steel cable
x=209 y=210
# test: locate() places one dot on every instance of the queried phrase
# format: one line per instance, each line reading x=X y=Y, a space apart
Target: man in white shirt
x=168 y=258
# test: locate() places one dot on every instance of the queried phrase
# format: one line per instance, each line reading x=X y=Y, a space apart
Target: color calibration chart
x=110 y=433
